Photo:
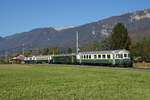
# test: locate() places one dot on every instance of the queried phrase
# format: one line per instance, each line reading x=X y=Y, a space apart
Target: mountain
x=137 y=23
x=1 y=38
x=32 y=39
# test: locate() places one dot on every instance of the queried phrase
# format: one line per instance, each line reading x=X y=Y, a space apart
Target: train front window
x=125 y=55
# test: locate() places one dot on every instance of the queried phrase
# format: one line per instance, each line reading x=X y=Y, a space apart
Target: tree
x=54 y=50
x=94 y=46
x=140 y=49
x=105 y=44
x=27 y=53
x=69 y=50
x=45 y=51
x=119 y=38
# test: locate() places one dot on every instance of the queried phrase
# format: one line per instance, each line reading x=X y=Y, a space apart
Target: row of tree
x=45 y=51
x=140 y=50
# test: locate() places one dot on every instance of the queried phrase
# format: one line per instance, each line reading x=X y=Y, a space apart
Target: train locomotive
x=119 y=58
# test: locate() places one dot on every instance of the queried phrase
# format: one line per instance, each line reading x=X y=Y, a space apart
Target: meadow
x=62 y=82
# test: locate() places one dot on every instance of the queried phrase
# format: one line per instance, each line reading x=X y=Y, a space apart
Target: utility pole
x=77 y=45
x=53 y=52
x=6 y=56
x=23 y=49
x=53 y=55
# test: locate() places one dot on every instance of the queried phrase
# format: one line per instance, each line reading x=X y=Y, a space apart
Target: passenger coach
x=114 y=58
x=38 y=59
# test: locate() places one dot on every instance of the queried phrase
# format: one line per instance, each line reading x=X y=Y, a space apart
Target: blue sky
x=23 y=15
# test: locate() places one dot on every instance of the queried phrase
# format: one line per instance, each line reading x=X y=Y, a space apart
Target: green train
x=64 y=59
x=38 y=59
x=105 y=58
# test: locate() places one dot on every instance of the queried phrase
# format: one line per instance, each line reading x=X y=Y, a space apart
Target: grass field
x=62 y=82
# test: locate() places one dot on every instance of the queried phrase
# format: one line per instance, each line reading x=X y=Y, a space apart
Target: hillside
x=1 y=38
x=138 y=24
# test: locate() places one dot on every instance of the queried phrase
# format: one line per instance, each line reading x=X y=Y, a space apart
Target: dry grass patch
x=142 y=64
x=13 y=66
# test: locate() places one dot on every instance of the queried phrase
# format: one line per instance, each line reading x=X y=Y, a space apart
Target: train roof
x=102 y=52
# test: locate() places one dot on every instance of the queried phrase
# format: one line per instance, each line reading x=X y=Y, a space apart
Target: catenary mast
x=77 y=45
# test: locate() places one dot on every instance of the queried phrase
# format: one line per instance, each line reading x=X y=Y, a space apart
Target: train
x=119 y=58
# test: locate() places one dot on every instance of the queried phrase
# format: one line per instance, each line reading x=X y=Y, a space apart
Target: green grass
x=56 y=82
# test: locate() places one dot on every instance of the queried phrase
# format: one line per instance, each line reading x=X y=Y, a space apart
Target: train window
x=99 y=56
x=121 y=55
x=84 y=56
x=116 y=55
x=104 y=56
x=95 y=56
x=89 y=56
x=125 y=55
x=108 y=56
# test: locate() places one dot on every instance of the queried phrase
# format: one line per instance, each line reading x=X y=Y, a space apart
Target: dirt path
x=14 y=66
